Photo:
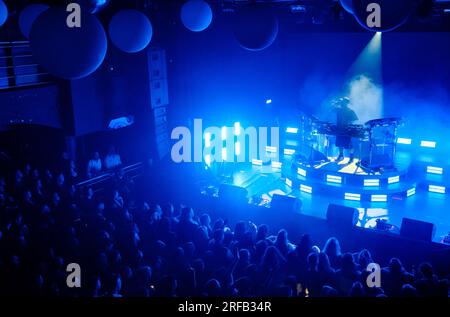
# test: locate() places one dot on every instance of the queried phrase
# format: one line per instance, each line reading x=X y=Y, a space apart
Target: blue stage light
x=306 y=189
x=301 y=172
x=289 y=151
x=436 y=189
x=410 y=192
x=291 y=143
x=257 y=162
x=378 y=198
x=393 y=179
x=372 y=182
x=288 y=182
x=334 y=179
x=271 y=149
x=430 y=144
x=268 y=101
x=404 y=141
x=291 y=130
x=276 y=164
x=435 y=170
x=350 y=196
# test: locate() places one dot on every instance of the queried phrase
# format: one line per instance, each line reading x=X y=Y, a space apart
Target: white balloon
x=196 y=15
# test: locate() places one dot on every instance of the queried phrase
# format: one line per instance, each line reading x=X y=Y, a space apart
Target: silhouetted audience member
x=112 y=159
x=127 y=247
x=186 y=225
x=347 y=274
x=333 y=249
x=94 y=166
x=326 y=274
x=394 y=277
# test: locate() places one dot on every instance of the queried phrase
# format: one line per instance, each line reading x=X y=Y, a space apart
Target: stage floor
x=263 y=181
x=343 y=167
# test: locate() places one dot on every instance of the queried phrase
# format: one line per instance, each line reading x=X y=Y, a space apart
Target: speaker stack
x=342 y=216
x=159 y=98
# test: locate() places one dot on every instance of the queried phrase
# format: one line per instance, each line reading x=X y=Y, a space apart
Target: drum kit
x=376 y=141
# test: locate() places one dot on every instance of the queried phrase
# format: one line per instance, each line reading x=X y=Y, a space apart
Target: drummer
x=344 y=117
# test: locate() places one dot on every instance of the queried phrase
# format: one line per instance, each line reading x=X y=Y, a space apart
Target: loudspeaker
x=378 y=161
x=286 y=203
x=157 y=68
x=157 y=64
x=419 y=230
x=159 y=95
x=342 y=215
x=309 y=155
x=159 y=99
x=231 y=194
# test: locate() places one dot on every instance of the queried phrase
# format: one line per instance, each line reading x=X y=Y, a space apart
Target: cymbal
x=383 y=121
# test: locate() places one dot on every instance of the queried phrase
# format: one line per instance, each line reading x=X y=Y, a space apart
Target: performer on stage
x=344 y=117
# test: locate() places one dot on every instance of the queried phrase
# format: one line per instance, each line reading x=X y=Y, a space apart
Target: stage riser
x=340 y=192
x=385 y=186
x=351 y=185
x=348 y=180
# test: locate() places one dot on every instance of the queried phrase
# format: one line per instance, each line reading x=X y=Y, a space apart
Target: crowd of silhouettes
x=128 y=247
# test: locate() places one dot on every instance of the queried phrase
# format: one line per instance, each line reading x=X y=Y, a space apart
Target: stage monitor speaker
x=342 y=215
x=378 y=161
x=419 y=230
x=286 y=203
x=231 y=194
x=309 y=155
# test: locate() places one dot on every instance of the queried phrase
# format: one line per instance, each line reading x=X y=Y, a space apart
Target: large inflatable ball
x=68 y=52
x=28 y=16
x=93 y=6
x=196 y=15
x=130 y=31
x=347 y=5
x=3 y=13
x=382 y=15
x=255 y=28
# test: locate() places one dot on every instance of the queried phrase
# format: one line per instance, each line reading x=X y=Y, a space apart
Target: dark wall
x=120 y=87
x=38 y=105
x=212 y=77
x=417 y=75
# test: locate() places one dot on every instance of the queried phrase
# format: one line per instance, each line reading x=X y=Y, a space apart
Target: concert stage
x=407 y=198
x=349 y=180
